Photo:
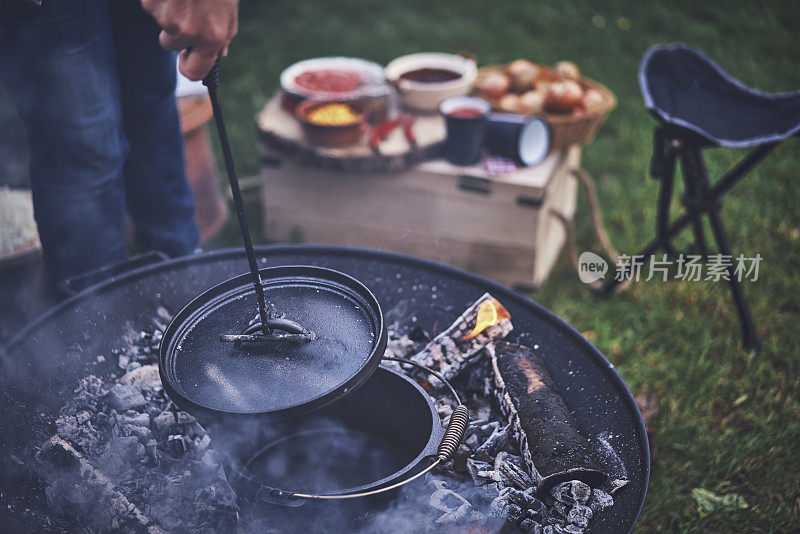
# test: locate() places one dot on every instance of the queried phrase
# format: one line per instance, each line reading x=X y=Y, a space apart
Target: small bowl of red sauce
x=425 y=80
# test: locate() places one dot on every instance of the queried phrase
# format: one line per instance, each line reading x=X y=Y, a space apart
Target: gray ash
x=149 y=456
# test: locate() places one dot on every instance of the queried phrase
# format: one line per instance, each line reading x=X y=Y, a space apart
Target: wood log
x=550 y=439
x=453 y=350
x=58 y=458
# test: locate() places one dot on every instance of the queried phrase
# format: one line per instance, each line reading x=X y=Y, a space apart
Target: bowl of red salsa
x=333 y=78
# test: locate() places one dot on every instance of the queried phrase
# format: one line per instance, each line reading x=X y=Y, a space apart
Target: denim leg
x=58 y=65
x=159 y=198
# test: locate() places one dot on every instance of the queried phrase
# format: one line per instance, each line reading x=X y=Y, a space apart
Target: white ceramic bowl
x=371 y=75
x=426 y=96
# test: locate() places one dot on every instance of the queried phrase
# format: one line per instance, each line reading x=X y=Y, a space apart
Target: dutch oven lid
x=210 y=377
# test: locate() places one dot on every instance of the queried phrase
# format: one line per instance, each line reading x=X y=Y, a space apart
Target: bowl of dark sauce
x=425 y=80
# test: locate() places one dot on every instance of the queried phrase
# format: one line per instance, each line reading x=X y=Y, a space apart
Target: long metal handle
x=211 y=81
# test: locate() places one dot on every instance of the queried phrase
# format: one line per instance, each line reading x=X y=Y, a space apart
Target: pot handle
x=76 y=284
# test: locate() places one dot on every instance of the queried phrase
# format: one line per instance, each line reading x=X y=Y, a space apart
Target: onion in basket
x=493 y=84
x=510 y=102
x=592 y=100
x=568 y=70
x=523 y=74
x=532 y=102
x=563 y=96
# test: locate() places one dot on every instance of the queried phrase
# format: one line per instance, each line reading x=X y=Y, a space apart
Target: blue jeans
x=95 y=91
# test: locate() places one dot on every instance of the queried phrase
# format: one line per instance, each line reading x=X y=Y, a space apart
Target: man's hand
x=199 y=29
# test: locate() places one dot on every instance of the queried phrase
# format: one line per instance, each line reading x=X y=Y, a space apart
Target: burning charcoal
x=165 y=420
x=135 y=419
x=458 y=346
x=499 y=507
x=512 y=471
x=482 y=473
x=455 y=507
x=560 y=508
x=184 y=418
x=563 y=492
x=151 y=449
x=525 y=499
x=177 y=445
x=144 y=378
x=514 y=513
x=472 y=441
x=617 y=484
x=580 y=515
x=567 y=529
x=195 y=429
x=550 y=439
x=487 y=429
x=496 y=441
x=401 y=347
x=580 y=491
x=203 y=442
x=460 y=459
x=600 y=500
x=67 y=425
x=102 y=421
x=143 y=433
x=529 y=526
x=124 y=397
x=444 y=410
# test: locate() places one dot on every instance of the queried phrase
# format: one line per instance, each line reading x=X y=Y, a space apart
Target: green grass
x=730 y=419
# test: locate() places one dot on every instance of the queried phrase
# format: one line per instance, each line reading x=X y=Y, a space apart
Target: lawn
x=729 y=419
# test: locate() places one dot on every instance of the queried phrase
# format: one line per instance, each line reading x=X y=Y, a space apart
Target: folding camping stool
x=698 y=105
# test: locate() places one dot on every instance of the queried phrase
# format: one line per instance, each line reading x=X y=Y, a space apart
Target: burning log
x=58 y=459
x=482 y=325
x=549 y=437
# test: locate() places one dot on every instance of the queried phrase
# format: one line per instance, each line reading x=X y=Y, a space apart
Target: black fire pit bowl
x=214 y=379
x=386 y=431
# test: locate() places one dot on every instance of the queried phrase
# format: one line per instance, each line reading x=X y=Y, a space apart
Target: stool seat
x=684 y=88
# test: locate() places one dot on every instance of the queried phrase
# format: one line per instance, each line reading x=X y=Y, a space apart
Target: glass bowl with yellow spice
x=331 y=123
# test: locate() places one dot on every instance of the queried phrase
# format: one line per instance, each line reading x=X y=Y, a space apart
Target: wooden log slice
x=282 y=133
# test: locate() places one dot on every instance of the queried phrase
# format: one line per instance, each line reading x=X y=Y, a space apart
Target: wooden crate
x=499 y=227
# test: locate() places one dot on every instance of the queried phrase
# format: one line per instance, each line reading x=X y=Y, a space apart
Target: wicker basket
x=568 y=129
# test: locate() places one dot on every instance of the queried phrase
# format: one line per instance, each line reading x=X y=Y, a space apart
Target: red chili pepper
x=381 y=131
x=408 y=131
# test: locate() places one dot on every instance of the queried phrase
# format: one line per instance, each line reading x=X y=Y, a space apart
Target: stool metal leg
x=694 y=196
x=706 y=201
x=662 y=168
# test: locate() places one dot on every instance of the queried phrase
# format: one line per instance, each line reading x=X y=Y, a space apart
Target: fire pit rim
x=508 y=295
